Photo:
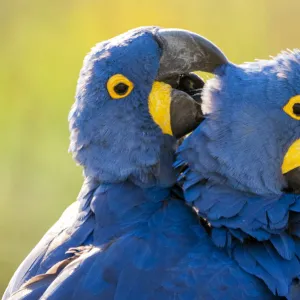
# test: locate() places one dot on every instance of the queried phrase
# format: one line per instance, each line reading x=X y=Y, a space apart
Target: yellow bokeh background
x=42 y=47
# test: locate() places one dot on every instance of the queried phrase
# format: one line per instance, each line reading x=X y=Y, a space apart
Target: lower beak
x=186 y=113
x=291 y=167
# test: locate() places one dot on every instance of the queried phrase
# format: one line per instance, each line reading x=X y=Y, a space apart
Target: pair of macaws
x=222 y=222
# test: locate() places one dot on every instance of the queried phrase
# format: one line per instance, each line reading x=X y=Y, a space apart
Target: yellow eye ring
x=292 y=108
x=119 y=86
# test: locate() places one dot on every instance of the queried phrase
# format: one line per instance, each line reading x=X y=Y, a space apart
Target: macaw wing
x=99 y=274
x=131 y=267
x=35 y=287
x=93 y=275
x=72 y=229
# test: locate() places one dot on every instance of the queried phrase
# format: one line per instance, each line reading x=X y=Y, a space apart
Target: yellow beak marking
x=159 y=103
x=292 y=158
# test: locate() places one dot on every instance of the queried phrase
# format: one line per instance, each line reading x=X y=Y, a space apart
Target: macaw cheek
x=291 y=167
x=174 y=111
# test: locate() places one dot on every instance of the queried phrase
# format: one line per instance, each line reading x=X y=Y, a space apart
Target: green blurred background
x=42 y=47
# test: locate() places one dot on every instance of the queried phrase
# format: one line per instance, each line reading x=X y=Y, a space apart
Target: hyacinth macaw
x=242 y=169
x=130 y=235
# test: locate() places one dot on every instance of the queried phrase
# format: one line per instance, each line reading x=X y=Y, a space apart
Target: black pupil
x=121 y=88
x=296 y=109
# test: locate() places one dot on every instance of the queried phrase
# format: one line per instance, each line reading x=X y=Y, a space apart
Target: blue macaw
x=130 y=235
x=242 y=170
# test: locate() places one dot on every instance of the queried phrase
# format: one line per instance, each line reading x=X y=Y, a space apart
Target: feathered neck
x=117 y=208
x=260 y=232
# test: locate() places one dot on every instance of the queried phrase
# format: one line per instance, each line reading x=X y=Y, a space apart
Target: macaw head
x=134 y=100
x=251 y=135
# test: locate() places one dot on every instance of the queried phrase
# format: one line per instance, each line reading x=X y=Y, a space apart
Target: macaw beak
x=185 y=51
x=291 y=167
x=175 y=99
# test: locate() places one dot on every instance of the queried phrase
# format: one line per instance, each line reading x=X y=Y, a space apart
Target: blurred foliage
x=42 y=47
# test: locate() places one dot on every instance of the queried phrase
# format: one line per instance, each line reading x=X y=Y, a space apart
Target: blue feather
x=284 y=244
x=219 y=236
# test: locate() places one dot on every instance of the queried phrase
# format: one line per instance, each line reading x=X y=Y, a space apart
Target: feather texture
x=233 y=178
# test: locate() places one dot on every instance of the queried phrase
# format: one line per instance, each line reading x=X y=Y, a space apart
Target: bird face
x=130 y=102
x=291 y=161
x=254 y=117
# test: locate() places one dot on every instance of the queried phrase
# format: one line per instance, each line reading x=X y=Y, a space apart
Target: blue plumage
x=154 y=249
x=131 y=234
x=235 y=180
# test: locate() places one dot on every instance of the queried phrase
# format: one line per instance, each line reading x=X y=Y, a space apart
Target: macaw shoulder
x=65 y=233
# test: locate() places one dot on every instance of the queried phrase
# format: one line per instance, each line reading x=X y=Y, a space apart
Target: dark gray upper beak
x=185 y=51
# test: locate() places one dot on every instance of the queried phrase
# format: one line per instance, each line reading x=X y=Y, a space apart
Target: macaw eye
x=119 y=86
x=292 y=108
x=296 y=109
